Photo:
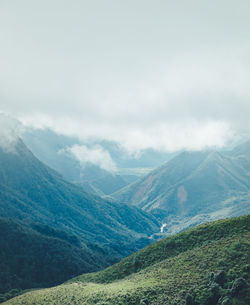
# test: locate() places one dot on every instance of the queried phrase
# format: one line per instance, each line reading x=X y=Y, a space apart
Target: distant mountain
x=207 y=265
x=99 y=181
x=31 y=190
x=194 y=185
x=52 y=149
x=242 y=154
x=241 y=150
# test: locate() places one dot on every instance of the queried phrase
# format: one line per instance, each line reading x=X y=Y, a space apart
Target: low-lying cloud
x=95 y=155
x=10 y=131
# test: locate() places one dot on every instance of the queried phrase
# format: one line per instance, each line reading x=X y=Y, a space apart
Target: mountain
x=242 y=154
x=193 y=185
x=30 y=190
x=47 y=144
x=206 y=265
x=34 y=255
x=99 y=181
x=54 y=150
x=241 y=150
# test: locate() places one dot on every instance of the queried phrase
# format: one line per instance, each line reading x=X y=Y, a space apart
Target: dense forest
x=37 y=255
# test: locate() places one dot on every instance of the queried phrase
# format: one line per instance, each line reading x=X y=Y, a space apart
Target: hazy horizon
x=162 y=75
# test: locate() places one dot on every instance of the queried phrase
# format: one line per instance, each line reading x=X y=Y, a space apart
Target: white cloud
x=166 y=75
x=10 y=130
x=162 y=136
x=95 y=155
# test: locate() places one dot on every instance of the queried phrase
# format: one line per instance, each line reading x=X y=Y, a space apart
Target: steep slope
x=205 y=265
x=35 y=255
x=31 y=190
x=191 y=184
x=52 y=149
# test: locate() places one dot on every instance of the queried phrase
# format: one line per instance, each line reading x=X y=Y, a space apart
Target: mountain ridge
x=191 y=184
x=29 y=189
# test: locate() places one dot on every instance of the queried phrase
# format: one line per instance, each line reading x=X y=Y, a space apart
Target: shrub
x=226 y=301
x=238 y=285
x=220 y=278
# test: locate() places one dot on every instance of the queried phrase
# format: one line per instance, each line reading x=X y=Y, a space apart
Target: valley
x=124 y=152
x=174 y=270
x=55 y=229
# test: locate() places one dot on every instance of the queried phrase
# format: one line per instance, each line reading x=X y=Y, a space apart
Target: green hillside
x=31 y=190
x=36 y=255
x=207 y=265
x=193 y=188
x=189 y=184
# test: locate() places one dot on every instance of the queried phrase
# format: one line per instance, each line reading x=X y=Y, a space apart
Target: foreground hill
x=204 y=185
x=36 y=255
x=204 y=265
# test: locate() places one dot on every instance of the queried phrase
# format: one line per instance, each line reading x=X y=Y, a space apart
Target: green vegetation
x=36 y=255
x=206 y=265
x=192 y=184
x=170 y=247
x=32 y=192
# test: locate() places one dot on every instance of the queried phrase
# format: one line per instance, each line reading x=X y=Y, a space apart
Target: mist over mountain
x=121 y=123
x=31 y=190
x=54 y=230
x=87 y=163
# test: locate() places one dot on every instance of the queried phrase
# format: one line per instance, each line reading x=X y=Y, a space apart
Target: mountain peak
x=192 y=184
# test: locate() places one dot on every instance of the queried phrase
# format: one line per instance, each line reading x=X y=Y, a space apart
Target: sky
x=166 y=75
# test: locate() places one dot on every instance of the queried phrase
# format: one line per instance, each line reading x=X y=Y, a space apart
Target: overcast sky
x=162 y=74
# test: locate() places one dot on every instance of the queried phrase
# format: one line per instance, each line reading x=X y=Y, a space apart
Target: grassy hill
x=207 y=265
